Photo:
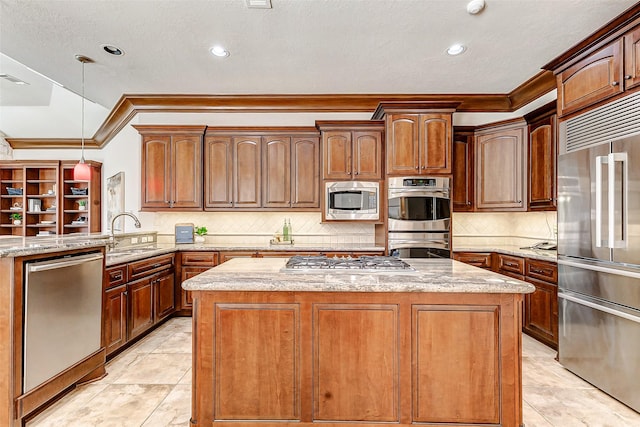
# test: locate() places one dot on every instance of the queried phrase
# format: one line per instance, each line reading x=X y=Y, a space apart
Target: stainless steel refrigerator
x=599 y=258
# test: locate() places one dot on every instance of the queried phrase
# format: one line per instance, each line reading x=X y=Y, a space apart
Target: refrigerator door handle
x=623 y=159
x=600 y=161
x=600 y=307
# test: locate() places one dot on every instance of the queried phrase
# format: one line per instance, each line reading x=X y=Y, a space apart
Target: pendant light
x=82 y=171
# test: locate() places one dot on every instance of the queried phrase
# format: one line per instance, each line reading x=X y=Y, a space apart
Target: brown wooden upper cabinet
x=543 y=146
x=501 y=163
x=291 y=172
x=608 y=71
x=418 y=137
x=171 y=167
x=463 y=170
x=351 y=150
x=261 y=168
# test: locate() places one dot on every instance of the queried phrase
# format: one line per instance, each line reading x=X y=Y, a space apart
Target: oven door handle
x=413 y=192
x=431 y=243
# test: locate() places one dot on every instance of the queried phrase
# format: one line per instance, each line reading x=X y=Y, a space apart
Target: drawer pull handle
x=117 y=276
x=627 y=77
x=157 y=265
x=614 y=83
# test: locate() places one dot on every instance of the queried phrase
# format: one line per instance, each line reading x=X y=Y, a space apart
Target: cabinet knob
x=417 y=167
x=519 y=201
x=614 y=83
x=424 y=167
x=627 y=77
x=468 y=203
x=357 y=173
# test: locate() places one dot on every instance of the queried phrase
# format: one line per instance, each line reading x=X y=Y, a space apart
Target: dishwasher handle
x=63 y=262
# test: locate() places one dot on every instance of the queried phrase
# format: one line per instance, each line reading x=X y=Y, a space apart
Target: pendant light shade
x=82 y=171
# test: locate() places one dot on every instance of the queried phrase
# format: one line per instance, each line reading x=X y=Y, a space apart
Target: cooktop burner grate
x=322 y=262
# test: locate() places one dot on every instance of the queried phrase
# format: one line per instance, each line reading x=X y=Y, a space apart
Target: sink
x=128 y=252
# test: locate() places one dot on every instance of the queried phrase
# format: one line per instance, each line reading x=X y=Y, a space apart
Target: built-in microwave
x=352 y=200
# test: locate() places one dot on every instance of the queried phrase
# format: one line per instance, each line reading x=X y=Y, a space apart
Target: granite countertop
x=23 y=246
x=511 y=250
x=431 y=275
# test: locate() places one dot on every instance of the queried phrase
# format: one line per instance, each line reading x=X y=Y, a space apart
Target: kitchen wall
x=503 y=228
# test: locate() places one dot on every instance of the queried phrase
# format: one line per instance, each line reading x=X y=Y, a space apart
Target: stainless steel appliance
x=62 y=315
x=599 y=248
x=419 y=217
x=352 y=200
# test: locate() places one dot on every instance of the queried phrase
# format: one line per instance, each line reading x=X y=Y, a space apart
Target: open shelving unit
x=47 y=203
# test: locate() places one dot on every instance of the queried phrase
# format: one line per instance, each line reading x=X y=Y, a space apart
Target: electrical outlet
x=134 y=240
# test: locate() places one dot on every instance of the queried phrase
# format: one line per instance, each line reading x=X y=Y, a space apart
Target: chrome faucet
x=113 y=220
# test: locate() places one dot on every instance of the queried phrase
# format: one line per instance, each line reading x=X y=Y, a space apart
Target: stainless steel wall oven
x=419 y=217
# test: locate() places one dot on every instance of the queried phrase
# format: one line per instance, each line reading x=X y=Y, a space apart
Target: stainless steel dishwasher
x=62 y=315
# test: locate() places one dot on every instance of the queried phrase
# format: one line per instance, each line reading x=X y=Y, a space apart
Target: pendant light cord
x=82 y=121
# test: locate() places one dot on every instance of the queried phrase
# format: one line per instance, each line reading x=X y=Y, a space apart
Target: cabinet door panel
x=247 y=172
x=542 y=164
x=500 y=166
x=435 y=143
x=305 y=173
x=356 y=362
x=156 y=171
x=115 y=318
x=632 y=59
x=463 y=170
x=456 y=353
x=187 y=172
x=402 y=144
x=258 y=343
x=277 y=172
x=218 y=168
x=541 y=312
x=593 y=79
x=164 y=295
x=188 y=273
x=141 y=306
x=337 y=155
x=367 y=155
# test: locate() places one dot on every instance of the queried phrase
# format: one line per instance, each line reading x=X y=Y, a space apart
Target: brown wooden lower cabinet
x=138 y=296
x=357 y=359
x=540 y=311
x=192 y=263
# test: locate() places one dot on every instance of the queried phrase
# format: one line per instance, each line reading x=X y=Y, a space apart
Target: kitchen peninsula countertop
x=511 y=250
x=431 y=275
x=24 y=246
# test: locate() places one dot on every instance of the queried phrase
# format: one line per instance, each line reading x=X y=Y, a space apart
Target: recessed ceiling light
x=13 y=79
x=219 y=51
x=456 y=49
x=112 y=50
x=475 y=6
x=259 y=4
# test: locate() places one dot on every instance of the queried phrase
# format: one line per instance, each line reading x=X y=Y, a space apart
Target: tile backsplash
x=517 y=228
x=259 y=227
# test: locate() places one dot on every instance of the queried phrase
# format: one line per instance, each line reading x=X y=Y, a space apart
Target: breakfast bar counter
x=439 y=344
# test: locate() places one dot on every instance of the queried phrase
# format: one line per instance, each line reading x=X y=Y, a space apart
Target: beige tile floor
x=150 y=385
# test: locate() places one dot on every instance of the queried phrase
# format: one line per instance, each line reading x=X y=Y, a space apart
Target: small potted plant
x=17 y=218
x=200 y=233
x=82 y=205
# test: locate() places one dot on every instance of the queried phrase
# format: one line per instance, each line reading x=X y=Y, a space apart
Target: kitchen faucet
x=113 y=220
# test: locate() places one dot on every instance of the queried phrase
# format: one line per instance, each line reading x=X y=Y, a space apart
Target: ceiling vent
x=259 y=4
x=12 y=79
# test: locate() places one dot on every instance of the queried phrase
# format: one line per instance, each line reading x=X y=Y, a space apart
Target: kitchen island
x=441 y=344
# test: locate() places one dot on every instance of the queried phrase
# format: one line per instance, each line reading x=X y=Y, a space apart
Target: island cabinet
x=171 y=167
x=191 y=264
x=543 y=148
x=138 y=296
x=463 y=170
x=501 y=164
x=355 y=358
x=609 y=70
x=261 y=169
x=351 y=150
x=418 y=137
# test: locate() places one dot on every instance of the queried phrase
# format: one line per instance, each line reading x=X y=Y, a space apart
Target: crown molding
x=130 y=105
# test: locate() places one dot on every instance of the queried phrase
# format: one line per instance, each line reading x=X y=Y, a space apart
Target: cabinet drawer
x=208 y=259
x=511 y=264
x=542 y=270
x=116 y=275
x=149 y=266
x=477 y=259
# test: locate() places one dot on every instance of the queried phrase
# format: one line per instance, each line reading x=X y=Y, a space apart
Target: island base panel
x=356 y=359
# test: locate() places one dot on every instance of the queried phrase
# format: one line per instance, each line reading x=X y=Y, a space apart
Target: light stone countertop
x=431 y=275
x=23 y=246
x=511 y=250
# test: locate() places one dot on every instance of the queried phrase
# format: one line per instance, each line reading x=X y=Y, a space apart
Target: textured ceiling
x=297 y=47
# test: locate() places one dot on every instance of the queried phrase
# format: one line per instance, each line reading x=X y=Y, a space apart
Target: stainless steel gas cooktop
x=367 y=264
